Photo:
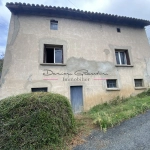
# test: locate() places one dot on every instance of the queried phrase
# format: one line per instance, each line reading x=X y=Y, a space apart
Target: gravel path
x=133 y=134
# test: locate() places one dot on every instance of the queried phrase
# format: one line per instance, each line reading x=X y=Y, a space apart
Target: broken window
x=54 y=25
x=122 y=57
x=138 y=82
x=44 y=89
x=111 y=83
x=53 y=54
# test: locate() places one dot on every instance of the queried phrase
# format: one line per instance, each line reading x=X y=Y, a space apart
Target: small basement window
x=122 y=57
x=43 y=89
x=53 y=54
x=118 y=30
x=112 y=83
x=138 y=82
x=53 y=25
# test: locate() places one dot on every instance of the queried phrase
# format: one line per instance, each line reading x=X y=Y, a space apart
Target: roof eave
x=27 y=9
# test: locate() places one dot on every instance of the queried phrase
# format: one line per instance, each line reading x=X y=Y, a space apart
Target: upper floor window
x=53 y=54
x=122 y=57
x=118 y=30
x=54 y=25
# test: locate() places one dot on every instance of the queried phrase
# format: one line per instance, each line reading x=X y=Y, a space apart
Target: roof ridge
x=14 y=7
x=74 y=9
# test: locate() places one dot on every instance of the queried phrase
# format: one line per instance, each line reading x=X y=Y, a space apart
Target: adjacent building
x=88 y=57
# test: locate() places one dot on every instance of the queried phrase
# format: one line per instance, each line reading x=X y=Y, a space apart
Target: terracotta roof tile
x=32 y=9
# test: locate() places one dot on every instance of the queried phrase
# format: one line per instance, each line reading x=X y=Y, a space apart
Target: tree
x=1 y=62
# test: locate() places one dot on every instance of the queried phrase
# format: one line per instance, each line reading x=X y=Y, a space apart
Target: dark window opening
x=49 y=52
x=138 y=82
x=112 y=83
x=53 y=54
x=44 y=89
x=54 y=25
x=118 y=30
x=122 y=57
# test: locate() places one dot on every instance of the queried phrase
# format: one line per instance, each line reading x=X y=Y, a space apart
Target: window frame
x=53 y=22
x=118 y=30
x=127 y=57
x=54 y=42
x=141 y=83
x=112 y=88
x=139 y=87
x=119 y=56
x=55 y=55
x=112 y=83
x=34 y=88
x=54 y=47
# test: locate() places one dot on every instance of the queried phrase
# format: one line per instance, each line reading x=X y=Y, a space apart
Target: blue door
x=76 y=99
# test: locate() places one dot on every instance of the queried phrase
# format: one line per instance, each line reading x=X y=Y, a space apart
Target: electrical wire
x=78 y=8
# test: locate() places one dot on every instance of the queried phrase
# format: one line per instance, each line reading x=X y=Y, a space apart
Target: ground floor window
x=111 y=83
x=42 y=89
x=138 y=82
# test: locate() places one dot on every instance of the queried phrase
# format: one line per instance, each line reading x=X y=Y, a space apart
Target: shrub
x=34 y=121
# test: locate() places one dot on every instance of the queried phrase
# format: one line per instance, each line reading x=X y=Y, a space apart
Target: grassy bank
x=109 y=114
x=119 y=109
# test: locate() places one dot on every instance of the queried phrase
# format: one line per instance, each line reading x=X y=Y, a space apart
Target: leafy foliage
x=1 y=65
x=1 y=62
x=35 y=121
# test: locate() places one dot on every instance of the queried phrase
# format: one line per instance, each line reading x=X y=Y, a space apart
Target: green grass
x=112 y=113
x=35 y=121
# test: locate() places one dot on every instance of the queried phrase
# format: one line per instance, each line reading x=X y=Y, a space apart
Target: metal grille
x=111 y=84
x=44 y=89
x=138 y=82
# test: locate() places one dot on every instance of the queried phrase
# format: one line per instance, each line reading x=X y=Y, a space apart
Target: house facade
x=88 y=57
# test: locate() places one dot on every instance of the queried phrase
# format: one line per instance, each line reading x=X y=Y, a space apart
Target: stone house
x=88 y=57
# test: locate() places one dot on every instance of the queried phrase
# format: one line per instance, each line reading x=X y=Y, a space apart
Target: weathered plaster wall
x=86 y=45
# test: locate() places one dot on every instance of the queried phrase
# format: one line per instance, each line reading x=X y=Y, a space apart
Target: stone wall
x=86 y=45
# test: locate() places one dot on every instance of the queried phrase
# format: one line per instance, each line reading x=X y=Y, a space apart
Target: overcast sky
x=130 y=8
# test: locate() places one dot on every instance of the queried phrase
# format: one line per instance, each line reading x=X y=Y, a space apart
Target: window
x=53 y=54
x=118 y=30
x=122 y=57
x=54 y=25
x=44 y=89
x=112 y=83
x=138 y=82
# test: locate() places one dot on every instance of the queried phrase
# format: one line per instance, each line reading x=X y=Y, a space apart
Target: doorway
x=76 y=93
